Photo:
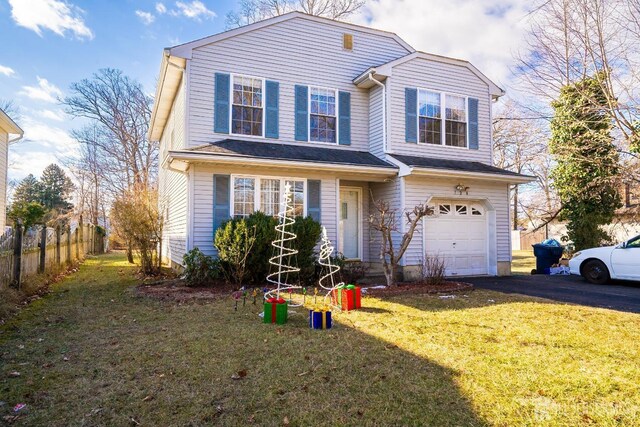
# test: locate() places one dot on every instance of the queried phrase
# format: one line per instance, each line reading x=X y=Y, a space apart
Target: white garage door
x=457 y=233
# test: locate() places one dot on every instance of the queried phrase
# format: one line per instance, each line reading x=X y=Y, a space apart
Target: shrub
x=234 y=241
x=199 y=269
x=353 y=271
x=433 y=270
x=262 y=231
x=308 y=231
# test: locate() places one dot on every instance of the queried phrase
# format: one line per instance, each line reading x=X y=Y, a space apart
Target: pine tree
x=587 y=162
x=56 y=189
x=28 y=190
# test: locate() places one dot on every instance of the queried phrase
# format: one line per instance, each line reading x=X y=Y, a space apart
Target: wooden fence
x=41 y=250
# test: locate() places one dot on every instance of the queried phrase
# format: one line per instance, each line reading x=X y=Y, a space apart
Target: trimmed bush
x=262 y=227
x=199 y=269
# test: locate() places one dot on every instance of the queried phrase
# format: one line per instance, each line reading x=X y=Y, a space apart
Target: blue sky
x=48 y=44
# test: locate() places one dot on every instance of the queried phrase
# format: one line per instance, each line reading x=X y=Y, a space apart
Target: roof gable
x=185 y=50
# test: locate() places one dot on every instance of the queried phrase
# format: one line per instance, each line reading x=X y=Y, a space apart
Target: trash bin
x=547 y=254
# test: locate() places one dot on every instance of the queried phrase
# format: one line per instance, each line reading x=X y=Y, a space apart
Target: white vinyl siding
x=173 y=185
x=376 y=128
x=203 y=195
x=4 y=151
x=418 y=190
x=389 y=192
x=287 y=53
x=445 y=78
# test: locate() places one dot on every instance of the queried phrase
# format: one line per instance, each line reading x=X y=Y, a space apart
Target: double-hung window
x=266 y=194
x=455 y=121
x=429 y=117
x=442 y=119
x=247 y=107
x=322 y=118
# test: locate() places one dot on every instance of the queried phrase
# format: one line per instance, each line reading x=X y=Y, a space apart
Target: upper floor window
x=429 y=117
x=437 y=128
x=322 y=117
x=247 y=106
x=456 y=121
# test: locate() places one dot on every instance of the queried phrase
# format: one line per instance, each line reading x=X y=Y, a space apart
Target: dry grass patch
x=93 y=353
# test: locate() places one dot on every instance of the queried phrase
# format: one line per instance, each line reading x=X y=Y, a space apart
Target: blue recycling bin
x=547 y=254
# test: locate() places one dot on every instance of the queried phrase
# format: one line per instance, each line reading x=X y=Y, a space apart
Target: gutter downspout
x=384 y=110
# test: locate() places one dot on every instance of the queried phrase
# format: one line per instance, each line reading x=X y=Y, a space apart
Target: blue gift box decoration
x=319 y=319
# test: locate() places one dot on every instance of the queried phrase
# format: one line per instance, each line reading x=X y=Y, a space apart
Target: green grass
x=523 y=262
x=484 y=359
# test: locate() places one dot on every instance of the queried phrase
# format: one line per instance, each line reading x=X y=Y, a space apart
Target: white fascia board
x=9 y=125
x=189 y=156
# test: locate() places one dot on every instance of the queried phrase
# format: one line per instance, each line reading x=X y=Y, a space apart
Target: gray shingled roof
x=301 y=153
x=455 y=165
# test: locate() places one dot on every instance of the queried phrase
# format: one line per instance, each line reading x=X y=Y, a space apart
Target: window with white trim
x=243 y=196
x=442 y=119
x=322 y=115
x=429 y=118
x=455 y=121
x=266 y=194
x=247 y=106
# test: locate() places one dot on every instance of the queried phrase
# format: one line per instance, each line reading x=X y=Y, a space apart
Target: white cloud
x=146 y=17
x=55 y=15
x=7 y=71
x=56 y=115
x=485 y=32
x=45 y=91
x=161 y=8
x=193 y=10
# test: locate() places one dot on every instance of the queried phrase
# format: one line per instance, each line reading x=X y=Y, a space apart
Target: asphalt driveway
x=622 y=296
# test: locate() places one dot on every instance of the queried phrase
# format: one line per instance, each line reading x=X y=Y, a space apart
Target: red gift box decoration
x=347 y=297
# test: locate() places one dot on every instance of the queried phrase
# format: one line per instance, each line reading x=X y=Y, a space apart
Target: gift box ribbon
x=273 y=302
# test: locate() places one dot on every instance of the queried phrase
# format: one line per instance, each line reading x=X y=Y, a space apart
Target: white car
x=598 y=265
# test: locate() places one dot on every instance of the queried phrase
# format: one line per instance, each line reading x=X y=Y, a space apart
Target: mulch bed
x=420 y=288
x=176 y=291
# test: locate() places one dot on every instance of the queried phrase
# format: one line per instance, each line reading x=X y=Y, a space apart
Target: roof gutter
x=435 y=172
x=16 y=139
x=163 y=75
x=224 y=158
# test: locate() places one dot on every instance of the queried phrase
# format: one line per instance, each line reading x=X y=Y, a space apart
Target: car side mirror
x=623 y=245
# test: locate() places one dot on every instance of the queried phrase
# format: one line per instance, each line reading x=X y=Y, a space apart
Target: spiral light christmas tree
x=284 y=255
x=327 y=281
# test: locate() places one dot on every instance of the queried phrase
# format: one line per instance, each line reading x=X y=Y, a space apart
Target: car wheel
x=595 y=272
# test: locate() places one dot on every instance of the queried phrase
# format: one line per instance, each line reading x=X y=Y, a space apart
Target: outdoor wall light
x=462 y=189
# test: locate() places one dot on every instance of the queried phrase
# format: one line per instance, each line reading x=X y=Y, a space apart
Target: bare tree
x=385 y=222
x=10 y=108
x=569 y=40
x=120 y=112
x=250 y=11
x=520 y=145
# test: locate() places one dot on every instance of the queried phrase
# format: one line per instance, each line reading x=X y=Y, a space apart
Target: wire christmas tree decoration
x=284 y=255
x=324 y=259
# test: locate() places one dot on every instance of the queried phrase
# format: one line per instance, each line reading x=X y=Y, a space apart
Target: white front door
x=457 y=234
x=349 y=225
x=626 y=262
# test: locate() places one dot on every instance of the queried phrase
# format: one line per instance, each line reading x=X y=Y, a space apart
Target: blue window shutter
x=272 y=94
x=302 y=113
x=221 y=104
x=344 y=119
x=221 y=200
x=313 y=199
x=411 y=114
x=473 y=124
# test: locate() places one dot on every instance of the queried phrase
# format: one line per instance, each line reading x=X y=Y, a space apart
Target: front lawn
x=92 y=353
x=523 y=262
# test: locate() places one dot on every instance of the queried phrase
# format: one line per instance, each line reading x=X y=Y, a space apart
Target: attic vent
x=347 y=41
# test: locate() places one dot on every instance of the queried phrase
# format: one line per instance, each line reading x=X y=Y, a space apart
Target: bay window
x=247 y=106
x=243 y=196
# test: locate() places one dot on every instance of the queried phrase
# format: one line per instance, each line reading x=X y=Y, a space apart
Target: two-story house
x=342 y=113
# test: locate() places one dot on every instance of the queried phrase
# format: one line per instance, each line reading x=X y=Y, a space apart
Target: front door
x=349 y=214
x=625 y=261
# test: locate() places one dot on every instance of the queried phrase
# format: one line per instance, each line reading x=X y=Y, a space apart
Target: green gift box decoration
x=275 y=311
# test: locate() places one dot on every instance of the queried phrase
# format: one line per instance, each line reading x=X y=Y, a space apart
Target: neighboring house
x=10 y=132
x=343 y=113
